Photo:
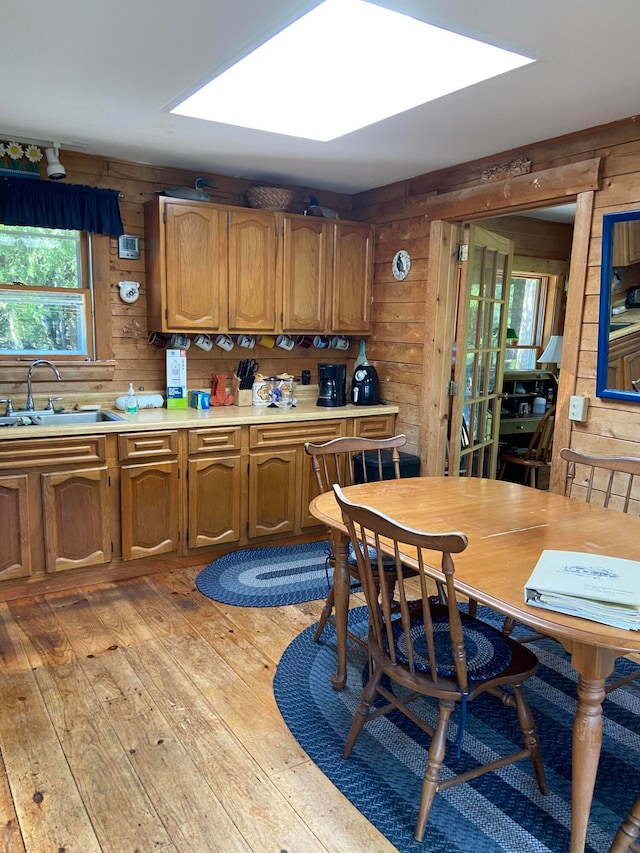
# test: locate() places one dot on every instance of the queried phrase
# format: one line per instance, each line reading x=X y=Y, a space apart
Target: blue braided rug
x=268 y=577
x=501 y=812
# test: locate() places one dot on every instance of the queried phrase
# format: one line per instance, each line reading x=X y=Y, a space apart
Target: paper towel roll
x=145 y=401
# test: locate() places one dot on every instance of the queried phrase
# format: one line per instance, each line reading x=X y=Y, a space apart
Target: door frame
x=577 y=181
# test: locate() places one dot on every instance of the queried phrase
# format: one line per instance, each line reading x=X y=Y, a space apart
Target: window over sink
x=45 y=293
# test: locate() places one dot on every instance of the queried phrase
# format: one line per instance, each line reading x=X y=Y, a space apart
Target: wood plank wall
x=135 y=360
x=400 y=310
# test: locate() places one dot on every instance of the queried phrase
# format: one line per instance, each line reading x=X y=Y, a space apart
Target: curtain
x=43 y=204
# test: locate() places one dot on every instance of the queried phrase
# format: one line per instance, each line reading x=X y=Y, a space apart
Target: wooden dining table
x=508 y=526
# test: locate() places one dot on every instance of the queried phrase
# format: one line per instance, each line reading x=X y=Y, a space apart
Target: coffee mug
x=267 y=341
x=284 y=342
x=180 y=342
x=339 y=342
x=224 y=342
x=246 y=341
x=304 y=341
x=204 y=342
x=321 y=342
x=158 y=340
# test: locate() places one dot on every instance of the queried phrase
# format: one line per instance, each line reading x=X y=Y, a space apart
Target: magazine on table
x=592 y=586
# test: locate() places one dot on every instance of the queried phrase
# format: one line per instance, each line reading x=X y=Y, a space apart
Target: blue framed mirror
x=618 y=366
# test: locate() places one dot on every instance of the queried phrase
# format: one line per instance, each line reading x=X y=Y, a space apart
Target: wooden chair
x=608 y=481
x=626 y=838
x=536 y=455
x=336 y=461
x=422 y=650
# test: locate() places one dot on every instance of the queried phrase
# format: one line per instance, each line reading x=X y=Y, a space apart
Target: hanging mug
x=304 y=341
x=321 y=342
x=339 y=342
x=246 y=341
x=157 y=340
x=180 y=342
x=204 y=342
x=224 y=342
x=267 y=341
x=284 y=342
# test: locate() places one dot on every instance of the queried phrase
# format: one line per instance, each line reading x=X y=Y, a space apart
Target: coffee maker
x=332 y=385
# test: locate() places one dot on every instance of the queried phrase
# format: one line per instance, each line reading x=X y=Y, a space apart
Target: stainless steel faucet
x=30 y=407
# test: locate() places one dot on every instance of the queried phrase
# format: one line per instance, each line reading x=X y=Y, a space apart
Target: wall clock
x=401 y=264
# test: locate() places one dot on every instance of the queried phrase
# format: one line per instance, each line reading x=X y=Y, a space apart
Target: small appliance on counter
x=332 y=385
x=365 y=388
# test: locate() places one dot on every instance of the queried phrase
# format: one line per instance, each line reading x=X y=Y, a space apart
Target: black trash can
x=409 y=466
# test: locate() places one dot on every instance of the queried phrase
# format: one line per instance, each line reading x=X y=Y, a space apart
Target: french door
x=478 y=363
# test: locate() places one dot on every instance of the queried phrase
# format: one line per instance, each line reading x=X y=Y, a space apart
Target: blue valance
x=43 y=204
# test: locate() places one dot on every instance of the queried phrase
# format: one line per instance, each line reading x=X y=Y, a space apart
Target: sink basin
x=70 y=418
x=57 y=418
x=615 y=327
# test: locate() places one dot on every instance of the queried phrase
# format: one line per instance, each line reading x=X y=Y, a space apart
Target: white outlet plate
x=578 y=408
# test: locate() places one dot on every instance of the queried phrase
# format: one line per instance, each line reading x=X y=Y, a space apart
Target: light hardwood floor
x=139 y=716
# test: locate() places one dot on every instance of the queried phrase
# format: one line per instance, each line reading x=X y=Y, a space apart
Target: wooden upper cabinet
x=253 y=271
x=352 y=277
x=305 y=271
x=626 y=243
x=186 y=260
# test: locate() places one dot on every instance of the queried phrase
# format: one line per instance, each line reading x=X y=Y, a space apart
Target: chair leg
x=434 y=763
x=324 y=616
x=362 y=711
x=625 y=679
x=531 y=740
x=628 y=832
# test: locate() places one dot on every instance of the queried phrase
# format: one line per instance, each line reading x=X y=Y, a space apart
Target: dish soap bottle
x=131 y=401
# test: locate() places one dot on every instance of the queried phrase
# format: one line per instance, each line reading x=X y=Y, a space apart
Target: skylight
x=344 y=65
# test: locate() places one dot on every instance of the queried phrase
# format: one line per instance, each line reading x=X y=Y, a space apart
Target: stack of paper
x=603 y=589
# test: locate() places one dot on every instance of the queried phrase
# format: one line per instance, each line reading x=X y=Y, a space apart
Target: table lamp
x=552 y=353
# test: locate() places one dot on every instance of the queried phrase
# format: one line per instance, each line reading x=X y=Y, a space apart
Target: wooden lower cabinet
x=214 y=497
x=273 y=492
x=149 y=509
x=76 y=516
x=15 y=553
x=149 y=493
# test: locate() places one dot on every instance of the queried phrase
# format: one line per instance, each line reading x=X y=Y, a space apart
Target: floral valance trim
x=42 y=204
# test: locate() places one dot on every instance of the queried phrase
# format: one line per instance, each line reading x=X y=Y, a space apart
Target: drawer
x=514 y=426
x=212 y=440
x=270 y=435
x=145 y=445
x=37 y=452
x=376 y=426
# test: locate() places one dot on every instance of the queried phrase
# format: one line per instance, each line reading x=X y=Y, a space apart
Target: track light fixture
x=55 y=169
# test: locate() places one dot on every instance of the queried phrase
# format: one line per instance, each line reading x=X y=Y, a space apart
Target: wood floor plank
x=94 y=755
x=342 y=827
x=10 y=837
x=110 y=603
x=50 y=810
x=182 y=796
x=271 y=823
x=43 y=640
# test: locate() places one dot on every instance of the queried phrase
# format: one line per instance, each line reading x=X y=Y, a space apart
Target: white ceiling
x=100 y=77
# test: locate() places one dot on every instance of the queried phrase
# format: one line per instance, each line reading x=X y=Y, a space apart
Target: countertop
x=157 y=419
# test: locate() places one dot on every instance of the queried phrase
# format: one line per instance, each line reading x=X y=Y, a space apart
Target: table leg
x=341 y=588
x=593 y=666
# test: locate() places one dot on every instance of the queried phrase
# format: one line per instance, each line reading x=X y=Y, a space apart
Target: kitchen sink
x=57 y=418
x=615 y=327
x=61 y=418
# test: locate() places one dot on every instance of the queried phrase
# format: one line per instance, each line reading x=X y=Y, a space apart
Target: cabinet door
x=305 y=273
x=273 y=492
x=253 y=272
x=15 y=557
x=77 y=518
x=196 y=267
x=214 y=501
x=631 y=371
x=352 y=277
x=149 y=509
